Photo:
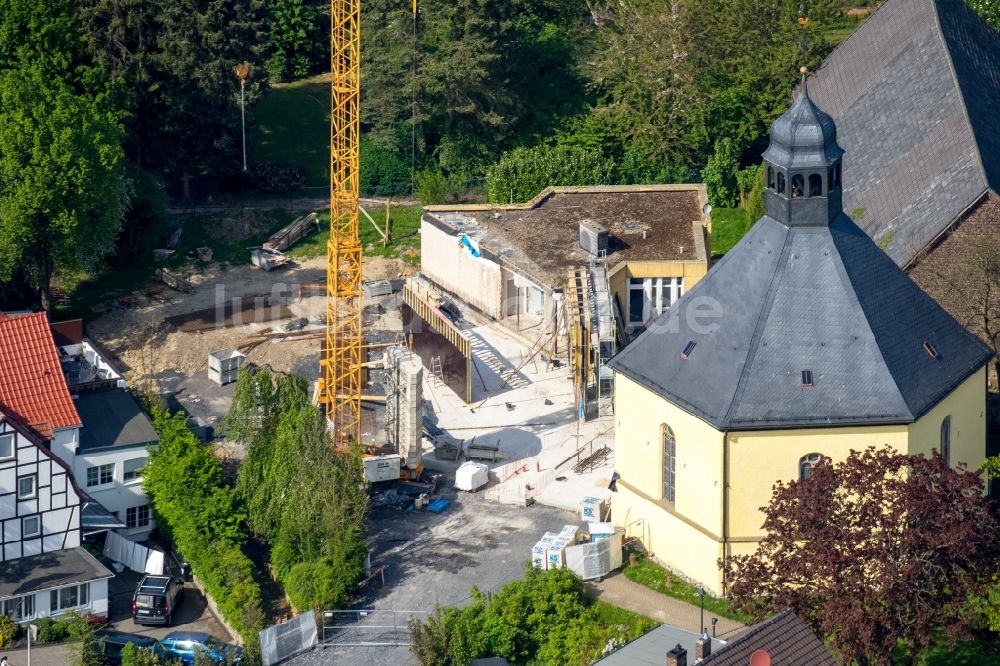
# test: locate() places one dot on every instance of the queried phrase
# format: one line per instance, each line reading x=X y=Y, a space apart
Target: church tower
x=802 y=166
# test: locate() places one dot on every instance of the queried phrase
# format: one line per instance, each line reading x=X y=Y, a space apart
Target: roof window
x=929 y=348
x=807 y=379
x=688 y=348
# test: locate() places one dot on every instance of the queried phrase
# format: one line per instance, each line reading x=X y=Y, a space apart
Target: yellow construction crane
x=339 y=389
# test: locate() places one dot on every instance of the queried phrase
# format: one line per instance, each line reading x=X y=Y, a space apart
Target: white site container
x=471 y=476
x=554 y=557
x=549 y=537
x=224 y=365
x=569 y=533
x=593 y=509
x=538 y=555
x=382 y=468
x=599 y=531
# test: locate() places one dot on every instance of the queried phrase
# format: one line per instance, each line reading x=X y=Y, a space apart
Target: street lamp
x=20 y=611
x=242 y=71
x=704 y=629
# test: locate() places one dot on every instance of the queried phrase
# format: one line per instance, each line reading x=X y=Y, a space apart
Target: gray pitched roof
x=785 y=638
x=53 y=569
x=112 y=419
x=824 y=299
x=915 y=92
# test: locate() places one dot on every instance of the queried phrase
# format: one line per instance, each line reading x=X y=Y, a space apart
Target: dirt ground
x=143 y=345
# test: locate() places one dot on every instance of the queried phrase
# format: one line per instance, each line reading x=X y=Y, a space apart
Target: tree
x=719 y=175
x=90 y=652
x=524 y=172
x=308 y=502
x=880 y=548
x=989 y=10
x=62 y=186
x=963 y=275
x=294 y=39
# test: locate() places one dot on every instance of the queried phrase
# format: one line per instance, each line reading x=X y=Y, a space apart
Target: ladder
x=436 y=370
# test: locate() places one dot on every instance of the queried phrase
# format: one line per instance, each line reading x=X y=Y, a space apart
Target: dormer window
x=798 y=185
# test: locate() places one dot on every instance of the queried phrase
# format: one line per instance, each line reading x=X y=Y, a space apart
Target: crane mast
x=339 y=389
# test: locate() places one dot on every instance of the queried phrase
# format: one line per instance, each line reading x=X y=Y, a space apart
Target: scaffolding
x=592 y=339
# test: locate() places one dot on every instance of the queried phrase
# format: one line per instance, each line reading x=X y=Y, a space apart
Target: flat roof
x=644 y=222
x=652 y=647
x=112 y=419
x=49 y=570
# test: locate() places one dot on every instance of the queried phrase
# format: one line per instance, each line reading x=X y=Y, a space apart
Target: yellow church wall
x=669 y=539
x=758 y=459
x=966 y=405
x=640 y=415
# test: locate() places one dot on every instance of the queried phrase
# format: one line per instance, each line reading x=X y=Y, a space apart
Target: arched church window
x=807 y=463
x=815 y=185
x=781 y=183
x=669 y=463
x=770 y=178
x=946 y=439
x=798 y=185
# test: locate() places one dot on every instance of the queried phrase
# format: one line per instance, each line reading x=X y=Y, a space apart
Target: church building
x=805 y=340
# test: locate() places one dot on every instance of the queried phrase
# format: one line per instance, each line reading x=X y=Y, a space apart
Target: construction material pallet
x=173 y=280
x=288 y=236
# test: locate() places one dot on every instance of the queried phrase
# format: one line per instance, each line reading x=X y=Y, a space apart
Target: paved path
x=63 y=654
x=624 y=593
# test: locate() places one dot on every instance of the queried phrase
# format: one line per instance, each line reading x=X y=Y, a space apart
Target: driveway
x=193 y=614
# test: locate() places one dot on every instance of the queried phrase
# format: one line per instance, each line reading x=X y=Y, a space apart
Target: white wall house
x=44 y=570
x=112 y=451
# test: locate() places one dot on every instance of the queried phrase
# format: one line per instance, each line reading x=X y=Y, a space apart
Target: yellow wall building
x=804 y=341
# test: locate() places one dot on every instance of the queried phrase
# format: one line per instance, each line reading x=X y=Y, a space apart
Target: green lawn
x=728 y=227
x=292 y=126
x=648 y=573
x=404 y=235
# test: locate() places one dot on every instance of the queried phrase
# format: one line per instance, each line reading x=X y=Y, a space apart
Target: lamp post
x=242 y=71
x=715 y=621
x=20 y=611
x=704 y=630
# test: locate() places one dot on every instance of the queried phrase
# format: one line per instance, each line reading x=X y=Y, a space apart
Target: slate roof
x=785 y=638
x=801 y=295
x=113 y=419
x=32 y=385
x=47 y=570
x=915 y=92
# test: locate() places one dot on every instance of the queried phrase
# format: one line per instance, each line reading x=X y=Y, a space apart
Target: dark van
x=156 y=599
x=113 y=642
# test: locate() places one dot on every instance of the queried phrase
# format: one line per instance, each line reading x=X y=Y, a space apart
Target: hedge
x=196 y=509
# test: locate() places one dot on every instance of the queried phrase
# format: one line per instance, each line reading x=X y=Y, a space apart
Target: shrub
x=719 y=175
x=431 y=187
x=132 y=655
x=51 y=631
x=274 y=177
x=524 y=172
x=8 y=631
x=79 y=625
x=383 y=172
x=90 y=652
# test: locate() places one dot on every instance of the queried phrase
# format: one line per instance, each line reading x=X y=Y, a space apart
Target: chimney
x=677 y=657
x=702 y=647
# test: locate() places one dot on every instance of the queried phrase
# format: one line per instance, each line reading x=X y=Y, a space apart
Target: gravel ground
x=433 y=560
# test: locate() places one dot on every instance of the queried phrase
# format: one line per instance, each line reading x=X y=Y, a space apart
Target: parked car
x=156 y=599
x=113 y=642
x=184 y=645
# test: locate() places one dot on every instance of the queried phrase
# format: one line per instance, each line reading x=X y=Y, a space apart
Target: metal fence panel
x=288 y=639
